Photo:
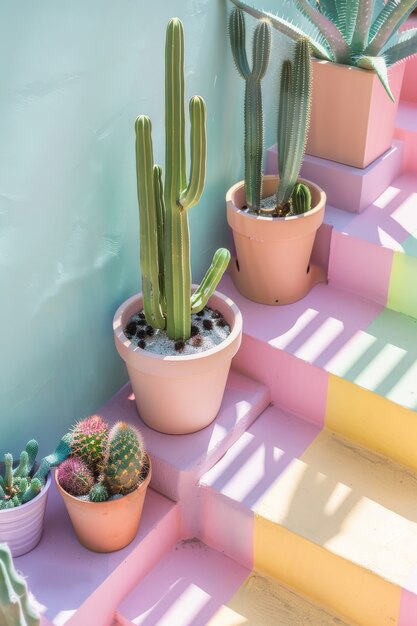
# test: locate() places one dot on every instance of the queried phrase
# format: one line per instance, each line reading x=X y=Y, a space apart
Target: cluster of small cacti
x=19 y=484
x=15 y=602
x=293 y=118
x=104 y=463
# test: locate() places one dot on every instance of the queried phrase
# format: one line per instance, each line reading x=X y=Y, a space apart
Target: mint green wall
x=74 y=76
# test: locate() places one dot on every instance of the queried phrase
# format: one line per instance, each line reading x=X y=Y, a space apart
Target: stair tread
x=390 y=222
x=343 y=334
x=354 y=503
x=179 y=460
x=194 y=585
x=62 y=588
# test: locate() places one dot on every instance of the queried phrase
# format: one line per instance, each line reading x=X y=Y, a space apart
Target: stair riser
x=328 y=400
x=344 y=587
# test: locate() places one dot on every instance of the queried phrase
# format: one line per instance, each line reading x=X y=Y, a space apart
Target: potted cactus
x=274 y=219
x=23 y=496
x=103 y=482
x=355 y=43
x=17 y=607
x=179 y=391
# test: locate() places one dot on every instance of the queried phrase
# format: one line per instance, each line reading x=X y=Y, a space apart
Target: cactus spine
x=293 y=119
x=253 y=145
x=163 y=209
x=15 y=602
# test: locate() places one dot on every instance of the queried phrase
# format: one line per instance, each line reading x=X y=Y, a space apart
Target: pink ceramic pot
x=352 y=117
x=106 y=526
x=272 y=264
x=178 y=394
x=21 y=528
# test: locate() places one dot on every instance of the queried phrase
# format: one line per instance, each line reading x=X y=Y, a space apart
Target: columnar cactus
x=301 y=199
x=125 y=460
x=293 y=119
x=253 y=146
x=163 y=209
x=15 y=603
x=88 y=441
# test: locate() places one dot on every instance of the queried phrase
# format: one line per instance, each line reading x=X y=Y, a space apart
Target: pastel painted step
x=327 y=518
x=349 y=188
x=78 y=587
x=406 y=130
x=374 y=254
x=178 y=461
x=337 y=360
x=409 y=86
x=194 y=585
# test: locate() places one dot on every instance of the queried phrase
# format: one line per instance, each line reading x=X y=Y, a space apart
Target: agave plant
x=362 y=33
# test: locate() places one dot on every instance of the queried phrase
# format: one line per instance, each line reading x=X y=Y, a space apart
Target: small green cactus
x=15 y=603
x=88 y=441
x=98 y=493
x=301 y=199
x=125 y=460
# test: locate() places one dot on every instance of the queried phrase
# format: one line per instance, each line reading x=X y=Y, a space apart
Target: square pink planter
x=352 y=117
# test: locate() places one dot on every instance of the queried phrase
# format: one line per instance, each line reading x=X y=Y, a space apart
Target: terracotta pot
x=272 y=264
x=178 y=394
x=106 y=526
x=352 y=117
x=21 y=528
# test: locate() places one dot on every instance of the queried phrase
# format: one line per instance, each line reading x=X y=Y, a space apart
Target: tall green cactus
x=163 y=209
x=253 y=147
x=293 y=119
x=15 y=603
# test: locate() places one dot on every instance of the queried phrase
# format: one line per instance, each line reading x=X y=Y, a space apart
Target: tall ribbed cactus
x=293 y=119
x=163 y=209
x=253 y=146
x=15 y=603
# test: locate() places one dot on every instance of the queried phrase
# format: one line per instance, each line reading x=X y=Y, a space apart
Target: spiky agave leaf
x=389 y=20
x=403 y=48
x=329 y=31
x=319 y=45
x=379 y=66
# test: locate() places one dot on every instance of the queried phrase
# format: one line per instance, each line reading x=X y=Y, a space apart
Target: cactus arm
x=300 y=115
x=32 y=448
x=379 y=66
x=301 y=199
x=319 y=46
x=192 y=194
x=338 y=46
x=405 y=47
x=237 y=34
x=23 y=468
x=160 y=226
x=394 y=13
x=148 y=220
x=210 y=281
x=8 y=471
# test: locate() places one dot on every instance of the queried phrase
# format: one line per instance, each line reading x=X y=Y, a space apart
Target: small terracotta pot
x=106 y=526
x=352 y=117
x=178 y=394
x=21 y=528
x=272 y=264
